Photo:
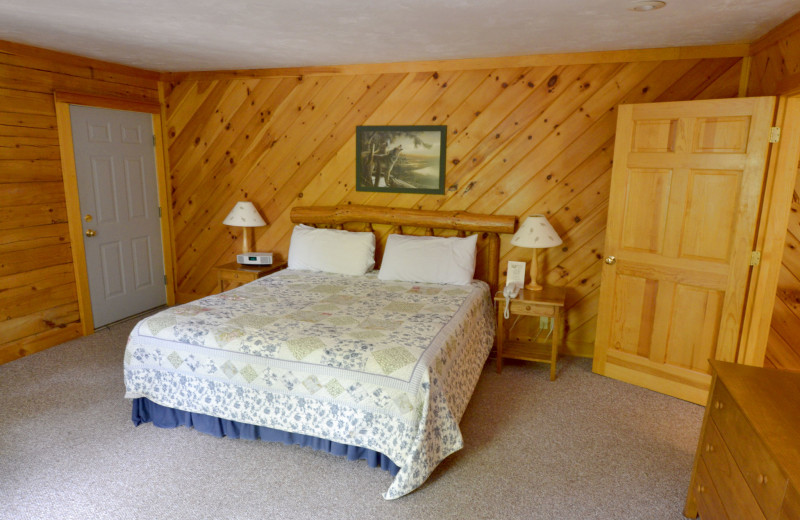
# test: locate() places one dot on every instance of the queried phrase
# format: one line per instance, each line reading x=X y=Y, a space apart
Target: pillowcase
x=331 y=250
x=449 y=260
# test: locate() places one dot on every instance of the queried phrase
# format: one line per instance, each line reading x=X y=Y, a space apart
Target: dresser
x=747 y=463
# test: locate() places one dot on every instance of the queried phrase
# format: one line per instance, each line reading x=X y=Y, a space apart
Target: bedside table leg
x=501 y=337
x=558 y=325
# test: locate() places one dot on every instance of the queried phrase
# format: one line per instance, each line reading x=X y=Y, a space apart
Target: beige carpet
x=582 y=447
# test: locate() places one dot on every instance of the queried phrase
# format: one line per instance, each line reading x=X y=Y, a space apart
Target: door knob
x=611 y=260
x=90 y=232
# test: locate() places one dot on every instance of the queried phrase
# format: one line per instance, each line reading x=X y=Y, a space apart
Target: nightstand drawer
x=533 y=309
x=760 y=470
x=238 y=276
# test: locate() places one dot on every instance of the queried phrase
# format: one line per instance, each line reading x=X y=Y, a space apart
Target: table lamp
x=245 y=215
x=536 y=233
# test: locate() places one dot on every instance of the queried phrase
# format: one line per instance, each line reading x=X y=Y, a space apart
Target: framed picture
x=400 y=159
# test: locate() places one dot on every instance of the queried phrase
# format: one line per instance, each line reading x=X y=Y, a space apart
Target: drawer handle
x=527 y=307
x=762 y=479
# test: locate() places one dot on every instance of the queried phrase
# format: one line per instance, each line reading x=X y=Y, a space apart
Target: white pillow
x=448 y=260
x=331 y=250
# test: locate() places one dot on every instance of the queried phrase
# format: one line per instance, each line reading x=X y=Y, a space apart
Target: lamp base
x=533 y=287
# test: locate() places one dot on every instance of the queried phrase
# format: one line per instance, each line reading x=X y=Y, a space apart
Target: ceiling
x=183 y=35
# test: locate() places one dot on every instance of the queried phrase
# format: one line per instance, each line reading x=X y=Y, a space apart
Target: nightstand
x=548 y=303
x=233 y=275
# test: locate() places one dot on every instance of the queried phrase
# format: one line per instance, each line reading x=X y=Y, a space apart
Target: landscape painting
x=400 y=159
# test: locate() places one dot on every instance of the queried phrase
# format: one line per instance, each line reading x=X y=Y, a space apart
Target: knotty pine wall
x=38 y=298
x=521 y=140
x=775 y=69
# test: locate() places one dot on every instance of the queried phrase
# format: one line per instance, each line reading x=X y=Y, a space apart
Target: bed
x=378 y=365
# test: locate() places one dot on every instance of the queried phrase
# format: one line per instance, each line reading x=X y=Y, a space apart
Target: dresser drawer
x=726 y=477
x=761 y=472
x=709 y=504
x=791 y=505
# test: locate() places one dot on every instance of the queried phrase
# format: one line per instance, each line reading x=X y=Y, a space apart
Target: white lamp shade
x=244 y=214
x=536 y=232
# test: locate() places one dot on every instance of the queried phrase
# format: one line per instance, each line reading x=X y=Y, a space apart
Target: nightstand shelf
x=232 y=275
x=547 y=303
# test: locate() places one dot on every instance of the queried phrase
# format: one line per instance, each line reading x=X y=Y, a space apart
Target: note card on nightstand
x=516 y=273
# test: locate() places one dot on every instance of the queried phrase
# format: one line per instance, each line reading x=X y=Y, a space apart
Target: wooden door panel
x=685 y=189
x=646 y=209
x=710 y=215
x=721 y=134
x=655 y=136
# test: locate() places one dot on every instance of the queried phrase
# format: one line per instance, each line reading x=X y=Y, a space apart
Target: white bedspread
x=389 y=366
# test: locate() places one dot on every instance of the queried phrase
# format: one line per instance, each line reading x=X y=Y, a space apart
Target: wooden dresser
x=747 y=463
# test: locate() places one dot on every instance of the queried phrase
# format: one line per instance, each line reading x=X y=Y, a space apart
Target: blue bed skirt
x=145 y=410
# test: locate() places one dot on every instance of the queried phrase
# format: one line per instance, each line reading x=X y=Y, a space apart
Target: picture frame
x=401 y=159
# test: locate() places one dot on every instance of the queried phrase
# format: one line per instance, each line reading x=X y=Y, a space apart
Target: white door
x=118 y=193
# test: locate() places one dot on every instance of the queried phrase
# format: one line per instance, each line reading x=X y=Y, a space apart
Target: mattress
x=388 y=366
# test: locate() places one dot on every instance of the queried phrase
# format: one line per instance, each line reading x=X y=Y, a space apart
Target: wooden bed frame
x=416 y=222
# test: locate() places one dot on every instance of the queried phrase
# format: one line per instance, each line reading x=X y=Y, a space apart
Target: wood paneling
x=783 y=347
x=775 y=66
x=522 y=138
x=38 y=300
x=775 y=70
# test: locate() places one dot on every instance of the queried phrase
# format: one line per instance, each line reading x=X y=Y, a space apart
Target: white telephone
x=510 y=291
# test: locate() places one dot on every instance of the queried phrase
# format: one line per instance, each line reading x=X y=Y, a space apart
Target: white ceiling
x=180 y=35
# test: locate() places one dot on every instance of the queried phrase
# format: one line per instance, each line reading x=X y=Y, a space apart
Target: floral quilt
x=389 y=366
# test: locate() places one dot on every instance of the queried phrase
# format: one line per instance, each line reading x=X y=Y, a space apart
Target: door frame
x=776 y=204
x=62 y=102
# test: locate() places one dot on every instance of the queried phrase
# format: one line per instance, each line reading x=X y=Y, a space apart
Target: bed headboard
x=415 y=221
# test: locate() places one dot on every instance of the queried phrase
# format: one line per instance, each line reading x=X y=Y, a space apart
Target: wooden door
x=117 y=187
x=685 y=194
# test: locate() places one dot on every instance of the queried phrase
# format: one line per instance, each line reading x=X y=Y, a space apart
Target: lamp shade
x=244 y=214
x=536 y=232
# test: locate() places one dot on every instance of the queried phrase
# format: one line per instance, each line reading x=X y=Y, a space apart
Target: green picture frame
x=401 y=159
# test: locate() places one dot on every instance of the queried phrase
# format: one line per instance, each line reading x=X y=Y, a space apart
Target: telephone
x=510 y=291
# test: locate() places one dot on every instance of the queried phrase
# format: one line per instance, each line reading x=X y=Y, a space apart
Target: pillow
x=331 y=250
x=448 y=260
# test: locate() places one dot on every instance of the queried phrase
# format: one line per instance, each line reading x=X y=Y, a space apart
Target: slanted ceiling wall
x=522 y=138
x=775 y=69
x=38 y=298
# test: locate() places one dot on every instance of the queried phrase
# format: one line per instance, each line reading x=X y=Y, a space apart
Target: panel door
x=685 y=193
x=118 y=194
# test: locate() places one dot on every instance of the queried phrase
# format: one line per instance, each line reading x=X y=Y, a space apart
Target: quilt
x=389 y=366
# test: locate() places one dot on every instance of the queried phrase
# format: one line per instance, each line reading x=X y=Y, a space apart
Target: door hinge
x=154 y=140
x=774 y=134
x=159 y=212
x=165 y=279
x=755 y=257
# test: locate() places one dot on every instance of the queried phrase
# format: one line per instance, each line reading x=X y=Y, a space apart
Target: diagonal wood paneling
x=520 y=140
x=38 y=298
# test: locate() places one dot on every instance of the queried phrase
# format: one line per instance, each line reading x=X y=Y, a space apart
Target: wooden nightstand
x=548 y=303
x=233 y=275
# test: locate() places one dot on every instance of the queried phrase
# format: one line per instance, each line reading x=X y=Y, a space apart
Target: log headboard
x=411 y=221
